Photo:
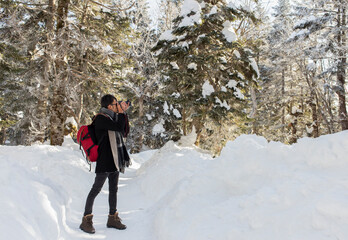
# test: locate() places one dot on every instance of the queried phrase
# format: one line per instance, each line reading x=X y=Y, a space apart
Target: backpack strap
x=103 y=114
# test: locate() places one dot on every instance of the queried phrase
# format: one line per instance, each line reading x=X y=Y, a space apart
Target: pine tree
x=74 y=50
x=327 y=21
x=207 y=69
x=275 y=72
x=291 y=99
x=141 y=76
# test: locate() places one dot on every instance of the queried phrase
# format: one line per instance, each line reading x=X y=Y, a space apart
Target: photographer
x=111 y=125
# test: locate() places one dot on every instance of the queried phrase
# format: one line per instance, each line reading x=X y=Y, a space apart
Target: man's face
x=113 y=106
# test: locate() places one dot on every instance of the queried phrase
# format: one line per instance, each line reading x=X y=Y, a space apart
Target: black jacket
x=105 y=162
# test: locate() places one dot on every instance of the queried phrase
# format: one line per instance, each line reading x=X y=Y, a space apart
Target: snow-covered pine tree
x=16 y=20
x=327 y=21
x=101 y=39
x=74 y=51
x=96 y=44
x=8 y=64
x=141 y=78
x=255 y=35
x=207 y=69
x=289 y=105
x=275 y=71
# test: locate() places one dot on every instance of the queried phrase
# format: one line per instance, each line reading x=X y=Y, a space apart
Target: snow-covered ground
x=254 y=190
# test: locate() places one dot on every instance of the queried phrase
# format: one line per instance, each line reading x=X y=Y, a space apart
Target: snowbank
x=260 y=190
x=254 y=190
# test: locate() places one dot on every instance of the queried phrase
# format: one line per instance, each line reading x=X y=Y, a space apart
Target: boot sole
x=87 y=232
x=116 y=227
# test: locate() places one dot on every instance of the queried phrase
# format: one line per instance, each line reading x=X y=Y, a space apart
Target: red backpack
x=88 y=141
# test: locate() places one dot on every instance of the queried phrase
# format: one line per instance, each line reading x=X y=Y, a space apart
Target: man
x=111 y=125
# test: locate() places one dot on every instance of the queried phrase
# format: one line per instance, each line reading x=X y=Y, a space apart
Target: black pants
x=96 y=188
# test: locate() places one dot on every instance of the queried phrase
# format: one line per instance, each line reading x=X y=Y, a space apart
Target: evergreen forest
x=217 y=68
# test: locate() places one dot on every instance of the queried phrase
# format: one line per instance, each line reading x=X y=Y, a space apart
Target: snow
x=223 y=104
x=192 y=66
x=254 y=66
x=108 y=49
x=166 y=108
x=176 y=95
x=231 y=5
x=232 y=84
x=241 y=76
x=223 y=59
x=149 y=117
x=176 y=113
x=20 y=114
x=246 y=7
x=299 y=34
x=202 y=4
x=184 y=44
x=167 y=36
x=254 y=190
x=181 y=37
x=207 y=89
x=238 y=93
x=174 y=65
x=309 y=129
x=201 y=36
x=213 y=10
x=304 y=21
x=158 y=128
x=188 y=7
x=228 y=32
x=72 y=121
x=295 y=110
x=158 y=52
x=290 y=118
x=311 y=66
x=106 y=10
x=236 y=53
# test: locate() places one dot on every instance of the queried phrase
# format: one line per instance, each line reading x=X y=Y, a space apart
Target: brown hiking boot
x=114 y=221
x=87 y=224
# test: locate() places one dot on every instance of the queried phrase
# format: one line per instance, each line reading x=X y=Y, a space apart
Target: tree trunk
x=184 y=122
x=315 y=124
x=342 y=60
x=140 y=123
x=39 y=117
x=199 y=124
x=293 y=137
x=58 y=117
x=254 y=110
x=283 y=105
x=3 y=140
x=58 y=113
x=62 y=13
x=312 y=104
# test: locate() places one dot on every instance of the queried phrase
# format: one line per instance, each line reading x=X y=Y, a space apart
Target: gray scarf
x=108 y=112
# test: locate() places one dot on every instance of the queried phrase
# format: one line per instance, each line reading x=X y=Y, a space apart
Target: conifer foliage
x=207 y=69
x=327 y=22
x=72 y=51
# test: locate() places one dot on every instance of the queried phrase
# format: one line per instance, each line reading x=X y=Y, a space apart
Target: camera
x=128 y=102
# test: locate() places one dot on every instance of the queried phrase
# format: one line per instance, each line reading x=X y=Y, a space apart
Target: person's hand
x=123 y=107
